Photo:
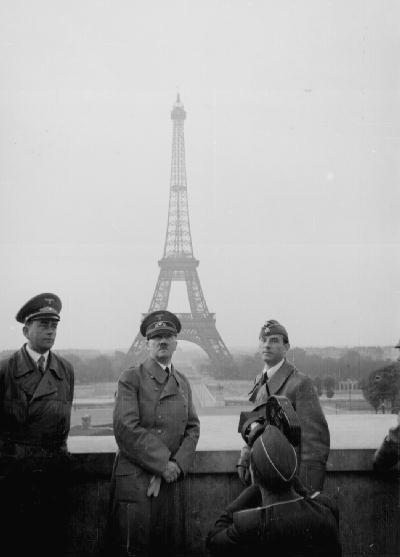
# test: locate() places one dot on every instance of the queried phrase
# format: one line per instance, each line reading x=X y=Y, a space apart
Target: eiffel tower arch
x=179 y=264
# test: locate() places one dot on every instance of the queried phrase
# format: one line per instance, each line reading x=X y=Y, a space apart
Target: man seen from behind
x=271 y=517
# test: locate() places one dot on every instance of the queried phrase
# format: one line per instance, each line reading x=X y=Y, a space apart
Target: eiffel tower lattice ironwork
x=179 y=264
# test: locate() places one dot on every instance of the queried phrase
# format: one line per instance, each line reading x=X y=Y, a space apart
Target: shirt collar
x=35 y=355
x=273 y=369
x=169 y=366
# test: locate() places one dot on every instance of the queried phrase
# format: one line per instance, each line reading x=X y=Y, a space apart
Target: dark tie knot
x=167 y=370
x=41 y=364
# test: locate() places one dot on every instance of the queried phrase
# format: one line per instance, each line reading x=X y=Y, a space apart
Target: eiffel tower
x=179 y=264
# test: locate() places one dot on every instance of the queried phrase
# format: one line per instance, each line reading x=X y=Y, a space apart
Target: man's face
x=41 y=334
x=272 y=348
x=161 y=347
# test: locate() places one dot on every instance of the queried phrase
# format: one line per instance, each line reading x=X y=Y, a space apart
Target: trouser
x=34 y=508
x=148 y=526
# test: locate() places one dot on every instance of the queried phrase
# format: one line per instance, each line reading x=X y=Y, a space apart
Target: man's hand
x=243 y=466
x=171 y=472
x=154 y=486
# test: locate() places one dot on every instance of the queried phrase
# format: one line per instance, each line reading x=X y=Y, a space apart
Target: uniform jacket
x=388 y=453
x=34 y=409
x=315 y=440
x=154 y=420
x=303 y=526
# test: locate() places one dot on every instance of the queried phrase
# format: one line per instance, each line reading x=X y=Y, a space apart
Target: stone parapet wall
x=369 y=503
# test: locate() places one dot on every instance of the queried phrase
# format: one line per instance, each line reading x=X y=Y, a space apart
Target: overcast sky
x=292 y=152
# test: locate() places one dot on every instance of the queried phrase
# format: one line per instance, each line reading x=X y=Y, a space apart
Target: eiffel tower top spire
x=178 y=241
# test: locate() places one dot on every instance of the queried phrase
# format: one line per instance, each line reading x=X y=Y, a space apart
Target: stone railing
x=369 y=503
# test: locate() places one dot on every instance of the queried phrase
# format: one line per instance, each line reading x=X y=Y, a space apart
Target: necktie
x=261 y=393
x=167 y=371
x=40 y=364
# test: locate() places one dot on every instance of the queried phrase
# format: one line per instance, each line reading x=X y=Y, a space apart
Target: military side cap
x=274 y=457
x=42 y=306
x=273 y=327
x=159 y=322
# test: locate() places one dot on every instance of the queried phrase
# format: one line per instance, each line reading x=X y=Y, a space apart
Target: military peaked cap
x=42 y=306
x=158 y=322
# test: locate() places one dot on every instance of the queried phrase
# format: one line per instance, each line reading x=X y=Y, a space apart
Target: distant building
x=336 y=352
x=348 y=385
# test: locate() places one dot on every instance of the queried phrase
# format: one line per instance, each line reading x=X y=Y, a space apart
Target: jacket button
x=159 y=430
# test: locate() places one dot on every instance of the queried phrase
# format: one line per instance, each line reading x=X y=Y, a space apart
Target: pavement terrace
x=219 y=433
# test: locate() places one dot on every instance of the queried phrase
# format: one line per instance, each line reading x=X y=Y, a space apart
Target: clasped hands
x=170 y=474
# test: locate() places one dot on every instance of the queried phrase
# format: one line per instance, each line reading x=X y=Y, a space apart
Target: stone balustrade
x=369 y=502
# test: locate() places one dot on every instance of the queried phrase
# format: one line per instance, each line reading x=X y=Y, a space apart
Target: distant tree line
x=325 y=385
x=98 y=369
x=89 y=368
x=379 y=378
x=351 y=365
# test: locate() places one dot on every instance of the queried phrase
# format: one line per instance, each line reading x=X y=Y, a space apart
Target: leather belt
x=24 y=450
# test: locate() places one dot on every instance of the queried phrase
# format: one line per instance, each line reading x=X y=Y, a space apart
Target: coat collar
x=280 y=377
x=273 y=385
x=25 y=364
x=156 y=371
x=54 y=365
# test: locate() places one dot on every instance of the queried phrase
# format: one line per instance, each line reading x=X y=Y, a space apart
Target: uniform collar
x=275 y=383
x=36 y=355
x=169 y=366
x=284 y=502
x=273 y=369
x=25 y=363
x=280 y=377
x=157 y=371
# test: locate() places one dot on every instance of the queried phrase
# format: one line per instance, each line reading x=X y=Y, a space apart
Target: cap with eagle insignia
x=42 y=306
x=158 y=322
x=273 y=327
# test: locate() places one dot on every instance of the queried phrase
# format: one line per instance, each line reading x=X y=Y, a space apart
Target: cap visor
x=161 y=331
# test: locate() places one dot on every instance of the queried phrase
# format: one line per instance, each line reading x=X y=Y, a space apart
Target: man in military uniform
x=279 y=377
x=36 y=391
x=270 y=517
x=388 y=454
x=156 y=428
